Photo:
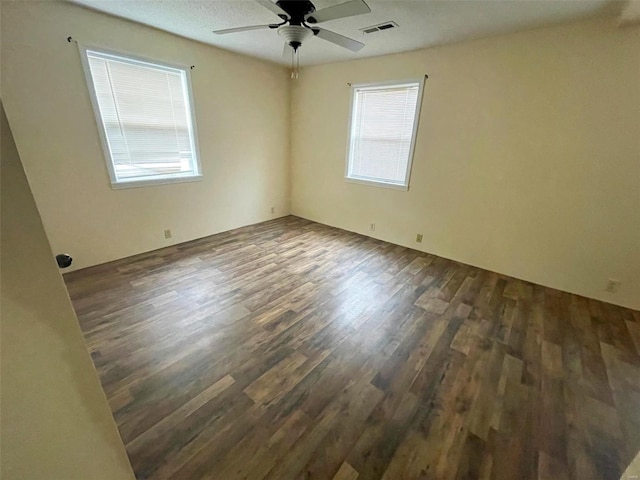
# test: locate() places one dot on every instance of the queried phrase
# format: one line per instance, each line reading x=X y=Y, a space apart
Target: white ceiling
x=422 y=23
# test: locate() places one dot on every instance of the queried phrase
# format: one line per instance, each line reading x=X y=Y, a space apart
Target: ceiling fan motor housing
x=297 y=9
x=294 y=35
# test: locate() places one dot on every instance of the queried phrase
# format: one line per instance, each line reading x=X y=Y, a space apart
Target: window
x=384 y=121
x=145 y=118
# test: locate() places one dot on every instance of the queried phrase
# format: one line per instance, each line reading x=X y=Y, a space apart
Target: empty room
x=326 y=239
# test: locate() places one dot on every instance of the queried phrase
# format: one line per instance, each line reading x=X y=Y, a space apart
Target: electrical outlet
x=612 y=286
x=372 y=227
x=419 y=238
x=273 y=209
x=167 y=233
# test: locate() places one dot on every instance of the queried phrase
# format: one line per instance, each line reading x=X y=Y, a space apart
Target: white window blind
x=383 y=124
x=145 y=114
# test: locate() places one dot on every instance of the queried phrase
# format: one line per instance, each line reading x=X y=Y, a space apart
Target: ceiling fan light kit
x=296 y=15
x=294 y=35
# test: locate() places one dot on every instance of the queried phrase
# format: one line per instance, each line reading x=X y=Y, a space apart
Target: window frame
x=116 y=184
x=350 y=142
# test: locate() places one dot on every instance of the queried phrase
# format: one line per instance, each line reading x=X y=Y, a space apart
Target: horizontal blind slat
x=382 y=132
x=145 y=115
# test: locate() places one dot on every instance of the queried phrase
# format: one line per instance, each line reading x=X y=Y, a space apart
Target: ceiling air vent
x=379 y=27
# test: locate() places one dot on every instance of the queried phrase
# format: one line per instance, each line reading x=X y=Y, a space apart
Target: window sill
x=374 y=183
x=154 y=181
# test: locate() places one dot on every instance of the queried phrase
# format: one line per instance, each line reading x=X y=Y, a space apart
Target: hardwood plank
x=290 y=349
x=346 y=472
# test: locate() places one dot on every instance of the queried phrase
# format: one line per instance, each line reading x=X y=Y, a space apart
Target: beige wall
x=242 y=111
x=527 y=159
x=56 y=423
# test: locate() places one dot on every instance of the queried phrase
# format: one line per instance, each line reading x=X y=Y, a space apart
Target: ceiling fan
x=299 y=18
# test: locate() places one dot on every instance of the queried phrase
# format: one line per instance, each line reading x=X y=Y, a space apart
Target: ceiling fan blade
x=338 y=39
x=243 y=29
x=342 y=10
x=269 y=5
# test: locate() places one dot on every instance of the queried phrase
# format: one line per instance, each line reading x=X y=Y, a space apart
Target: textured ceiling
x=422 y=23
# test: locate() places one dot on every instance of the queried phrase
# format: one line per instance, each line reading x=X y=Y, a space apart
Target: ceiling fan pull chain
x=295 y=63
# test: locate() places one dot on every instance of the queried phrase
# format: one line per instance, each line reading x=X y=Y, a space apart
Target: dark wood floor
x=290 y=350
